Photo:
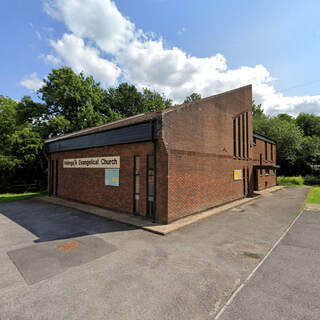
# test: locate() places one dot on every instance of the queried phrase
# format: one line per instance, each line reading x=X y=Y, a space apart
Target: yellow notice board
x=237 y=174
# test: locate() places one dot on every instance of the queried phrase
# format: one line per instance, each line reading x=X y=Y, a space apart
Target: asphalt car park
x=60 y=263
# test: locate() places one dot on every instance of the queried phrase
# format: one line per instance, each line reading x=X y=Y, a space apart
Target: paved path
x=287 y=285
x=148 y=225
x=111 y=271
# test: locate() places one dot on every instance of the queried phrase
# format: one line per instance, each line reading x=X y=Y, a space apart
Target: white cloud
x=51 y=59
x=85 y=58
x=142 y=59
x=99 y=20
x=32 y=82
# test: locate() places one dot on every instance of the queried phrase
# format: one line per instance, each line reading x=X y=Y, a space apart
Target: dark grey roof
x=263 y=138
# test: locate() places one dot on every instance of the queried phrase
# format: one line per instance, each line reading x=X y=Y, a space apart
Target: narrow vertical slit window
x=247 y=135
x=150 y=186
x=248 y=181
x=260 y=163
x=239 y=138
x=271 y=151
x=243 y=138
x=136 y=185
x=234 y=138
x=266 y=150
x=51 y=177
x=244 y=181
x=57 y=176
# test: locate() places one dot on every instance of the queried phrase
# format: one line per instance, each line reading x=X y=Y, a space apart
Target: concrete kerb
x=147 y=225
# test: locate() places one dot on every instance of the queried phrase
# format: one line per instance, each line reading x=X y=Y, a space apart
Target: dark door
x=150 y=186
x=136 y=186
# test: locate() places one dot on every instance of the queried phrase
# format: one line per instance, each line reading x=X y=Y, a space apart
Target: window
x=136 y=185
x=150 y=186
x=51 y=178
x=267 y=172
x=244 y=181
x=234 y=138
x=243 y=138
x=247 y=135
x=266 y=150
x=271 y=151
x=239 y=138
x=260 y=164
x=254 y=140
x=57 y=176
x=272 y=171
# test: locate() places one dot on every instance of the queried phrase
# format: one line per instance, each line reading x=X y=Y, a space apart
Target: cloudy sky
x=173 y=46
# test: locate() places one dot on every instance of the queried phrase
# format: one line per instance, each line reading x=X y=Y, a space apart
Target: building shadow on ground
x=51 y=222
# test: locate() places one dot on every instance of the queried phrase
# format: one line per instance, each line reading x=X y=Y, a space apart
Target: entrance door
x=136 y=186
x=150 y=187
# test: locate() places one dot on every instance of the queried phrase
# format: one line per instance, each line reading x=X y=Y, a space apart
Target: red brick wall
x=194 y=162
x=263 y=180
x=199 y=140
x=88 y=185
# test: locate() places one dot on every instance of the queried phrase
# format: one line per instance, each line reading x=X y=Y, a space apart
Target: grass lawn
x=8 y=197
x=314 y=195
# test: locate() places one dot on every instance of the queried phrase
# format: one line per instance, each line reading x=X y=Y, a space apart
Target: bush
x=312 y=180
x=290 y=181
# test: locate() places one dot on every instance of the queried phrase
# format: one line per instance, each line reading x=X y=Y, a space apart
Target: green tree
x=127 y=101
x=192 y=97
x=8 y=122
x=78 y=100
x=153 y=101
x=289 y=138
x=309 y=156
x=20 y=148
x=257 y=109
x=309 y=123
x=286 y=117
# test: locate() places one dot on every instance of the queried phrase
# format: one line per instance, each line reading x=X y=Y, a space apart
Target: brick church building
x=167 y=164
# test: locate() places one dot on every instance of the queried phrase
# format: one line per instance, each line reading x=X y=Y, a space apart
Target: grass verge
x=314 y=195
x=9 y=197
x=310 y=181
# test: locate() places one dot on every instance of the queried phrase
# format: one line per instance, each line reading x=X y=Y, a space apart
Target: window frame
x=135 y=174
x=239 y=137
x=266 y=150
x=234 y=138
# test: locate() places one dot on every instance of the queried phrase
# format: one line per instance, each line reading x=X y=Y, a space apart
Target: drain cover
x=69 y=245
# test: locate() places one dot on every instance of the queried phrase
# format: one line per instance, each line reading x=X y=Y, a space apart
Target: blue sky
x=273 y=44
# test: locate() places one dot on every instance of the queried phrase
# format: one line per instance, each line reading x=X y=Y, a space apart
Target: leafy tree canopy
x=309 y=123
x=192 y=97
x=127 y=101
x=257 y=110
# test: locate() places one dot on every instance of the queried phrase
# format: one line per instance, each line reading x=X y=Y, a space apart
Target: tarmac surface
x=287 y=285
x=60 y=263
